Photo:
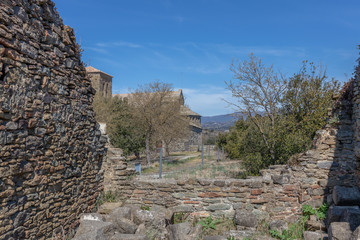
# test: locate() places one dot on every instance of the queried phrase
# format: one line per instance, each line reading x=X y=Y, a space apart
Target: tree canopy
x=281 y=114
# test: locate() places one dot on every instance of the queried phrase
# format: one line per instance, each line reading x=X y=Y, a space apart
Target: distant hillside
x=219 y=122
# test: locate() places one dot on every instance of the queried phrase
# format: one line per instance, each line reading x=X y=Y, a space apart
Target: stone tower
x=102 y=82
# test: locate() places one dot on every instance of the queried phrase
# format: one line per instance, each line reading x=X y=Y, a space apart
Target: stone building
x=102 y=82
x=194 y=140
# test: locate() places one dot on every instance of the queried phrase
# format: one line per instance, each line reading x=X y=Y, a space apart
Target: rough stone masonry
x=51 y=150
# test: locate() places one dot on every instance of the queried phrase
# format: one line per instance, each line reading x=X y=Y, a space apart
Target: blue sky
x=191 y=43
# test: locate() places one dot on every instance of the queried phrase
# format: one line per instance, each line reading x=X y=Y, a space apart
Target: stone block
x=245 y=218
x=281 y=179
x=352 y=216
x=220 y=206
x=346 y=196
x=339 y=231
x=308 y=235
x=278 y=225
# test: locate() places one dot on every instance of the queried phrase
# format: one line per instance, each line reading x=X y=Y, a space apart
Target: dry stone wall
x=50 y=146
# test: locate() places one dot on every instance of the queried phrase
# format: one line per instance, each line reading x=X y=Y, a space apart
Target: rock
x=278 y=225
x=346 y=196
x=308 y=235
x=281 y=179
x=179 y=231
x=335 y=212
x=245 y=218
x=216 y=237
x=315 y=225
x=356 y=234
x=87 y=226
x=219 y=206
x=121 y=212
x=119 y=236
x=124 y=225
x=91 y=217
x=352 y=216
x=339 y=231
x=240 y=234
x=141 y=229
x=108 y=207
x=94 y=230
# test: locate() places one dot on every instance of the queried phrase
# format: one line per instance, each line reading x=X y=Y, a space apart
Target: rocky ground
x=115 y=222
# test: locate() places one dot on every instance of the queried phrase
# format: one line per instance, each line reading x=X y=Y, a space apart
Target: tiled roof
x=91 y=69
x=187 y=111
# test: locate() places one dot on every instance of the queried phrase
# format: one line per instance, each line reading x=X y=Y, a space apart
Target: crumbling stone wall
x=50 y=148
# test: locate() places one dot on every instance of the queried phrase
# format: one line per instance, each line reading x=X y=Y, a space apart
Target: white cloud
x=208 y=100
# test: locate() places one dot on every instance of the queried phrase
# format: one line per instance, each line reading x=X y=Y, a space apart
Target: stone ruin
x=51 y=149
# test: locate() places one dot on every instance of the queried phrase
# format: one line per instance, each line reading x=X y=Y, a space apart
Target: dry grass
x=189 y=165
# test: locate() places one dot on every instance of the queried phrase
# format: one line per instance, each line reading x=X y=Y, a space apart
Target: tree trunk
x=147 y=148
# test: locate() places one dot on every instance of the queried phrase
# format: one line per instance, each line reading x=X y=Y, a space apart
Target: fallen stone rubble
x=132 y=222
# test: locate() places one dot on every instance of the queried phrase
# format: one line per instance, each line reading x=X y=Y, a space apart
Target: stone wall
x=102 y=82
x=50 y=148
x=281 y=190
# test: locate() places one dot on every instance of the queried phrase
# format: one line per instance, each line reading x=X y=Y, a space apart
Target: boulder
x=245 y=219
x=94 y=230
x=339 y=231
x=346 y=196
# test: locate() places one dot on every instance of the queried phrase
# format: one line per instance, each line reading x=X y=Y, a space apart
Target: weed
x=233 y=238
x=295 y=230
x=319 y=212
x=180 y=217
x=334 y=120
x=105 y=197
x=145 y=208
x=208 y=223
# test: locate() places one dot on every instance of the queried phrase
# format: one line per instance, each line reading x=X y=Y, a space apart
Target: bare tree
x=157 y=112
x=259 y=91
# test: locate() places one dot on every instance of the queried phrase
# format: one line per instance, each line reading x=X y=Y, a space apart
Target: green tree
x=120 y=127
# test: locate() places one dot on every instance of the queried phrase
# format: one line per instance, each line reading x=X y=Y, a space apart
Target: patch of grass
x=144 y=207
x=180 y=217
x=105 y=197
x=217 y=226
x=208 y=223
x=294 y=232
